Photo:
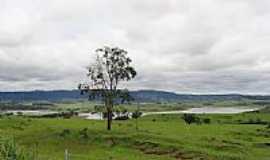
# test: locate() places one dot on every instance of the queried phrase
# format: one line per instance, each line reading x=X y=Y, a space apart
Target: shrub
x=84 y=133
x=8 y=114
x=207 y=120
x=10 y=151
x=19 y=113
x=136 y=114
x=65 y=132
x=189 y=118
x=268 y=126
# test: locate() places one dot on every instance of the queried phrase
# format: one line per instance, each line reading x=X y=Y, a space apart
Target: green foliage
x=9 y=150
x=65 y=132
x=84 y=133
x=207 y=120
x=136 y=114
x=190 y=118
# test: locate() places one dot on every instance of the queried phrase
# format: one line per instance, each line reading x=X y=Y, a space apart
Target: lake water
x=93 y=116
x=202 y=110
x=208 y=110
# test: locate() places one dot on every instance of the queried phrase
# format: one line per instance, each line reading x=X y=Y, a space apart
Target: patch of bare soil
x=156 y=149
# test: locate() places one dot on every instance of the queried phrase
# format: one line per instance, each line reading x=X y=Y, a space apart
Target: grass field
x=161 y=137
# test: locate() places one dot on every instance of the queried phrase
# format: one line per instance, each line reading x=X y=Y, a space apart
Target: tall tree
x=111 y=66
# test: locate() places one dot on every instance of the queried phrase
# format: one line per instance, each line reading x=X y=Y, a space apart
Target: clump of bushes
x=8 y=114
x=207 y=120
x=65 y=132
x=192 y=118
x=268 y=126
x=136 y=114
x=254 y=121
x=9 y=150
x=84 y=133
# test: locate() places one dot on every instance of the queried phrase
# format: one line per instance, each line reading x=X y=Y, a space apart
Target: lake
x=208 y=110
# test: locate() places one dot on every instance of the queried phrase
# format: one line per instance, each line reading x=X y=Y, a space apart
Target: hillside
x=141 y=96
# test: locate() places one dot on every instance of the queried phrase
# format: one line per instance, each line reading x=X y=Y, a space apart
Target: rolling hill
x=141 y=96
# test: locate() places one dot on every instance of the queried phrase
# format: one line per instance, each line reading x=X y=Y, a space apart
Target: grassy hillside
x=162 y=137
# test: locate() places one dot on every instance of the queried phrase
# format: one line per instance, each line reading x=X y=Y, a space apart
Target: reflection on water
x=93 y=116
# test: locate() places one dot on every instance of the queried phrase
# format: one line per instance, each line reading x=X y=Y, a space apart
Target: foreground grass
x=161 y=137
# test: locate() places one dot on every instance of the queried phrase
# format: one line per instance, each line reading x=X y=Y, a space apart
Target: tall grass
x=9 y=150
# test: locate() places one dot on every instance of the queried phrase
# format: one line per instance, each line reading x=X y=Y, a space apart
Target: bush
x=10 y=151
x=256 y=121
x=84 y=133
x=8 y=114
x=136 y=114
x=189 y=118
x=65 y=132
x=207 y=120
x=268 y=126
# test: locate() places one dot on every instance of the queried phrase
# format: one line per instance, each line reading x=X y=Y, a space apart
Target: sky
x=184 y=46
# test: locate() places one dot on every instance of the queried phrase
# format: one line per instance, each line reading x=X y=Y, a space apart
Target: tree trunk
x=109 y=119
x=109 y=106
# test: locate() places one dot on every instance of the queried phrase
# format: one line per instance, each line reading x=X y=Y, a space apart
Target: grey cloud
x=194 y=46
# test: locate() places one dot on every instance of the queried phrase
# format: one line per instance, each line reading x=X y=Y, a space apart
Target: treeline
x=18 y=106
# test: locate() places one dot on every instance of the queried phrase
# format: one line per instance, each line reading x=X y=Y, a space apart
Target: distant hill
x=58 y=95
x=141 y=96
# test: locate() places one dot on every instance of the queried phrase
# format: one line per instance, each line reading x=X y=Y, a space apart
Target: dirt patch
x=156 y=149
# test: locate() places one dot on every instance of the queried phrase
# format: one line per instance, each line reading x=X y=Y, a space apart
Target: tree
x=111 y=66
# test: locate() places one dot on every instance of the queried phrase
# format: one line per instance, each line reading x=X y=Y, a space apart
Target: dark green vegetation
x=225 y=137
x=9 y=150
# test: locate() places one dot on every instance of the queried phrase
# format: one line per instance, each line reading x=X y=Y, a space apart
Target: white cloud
x=201 y=46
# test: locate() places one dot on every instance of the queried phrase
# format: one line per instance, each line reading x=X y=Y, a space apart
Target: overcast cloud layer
x=186 y=46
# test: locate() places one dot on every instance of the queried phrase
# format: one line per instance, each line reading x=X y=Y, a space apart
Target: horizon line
x=154 y=90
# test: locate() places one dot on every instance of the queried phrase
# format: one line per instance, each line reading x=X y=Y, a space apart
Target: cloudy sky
x=186 y=46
